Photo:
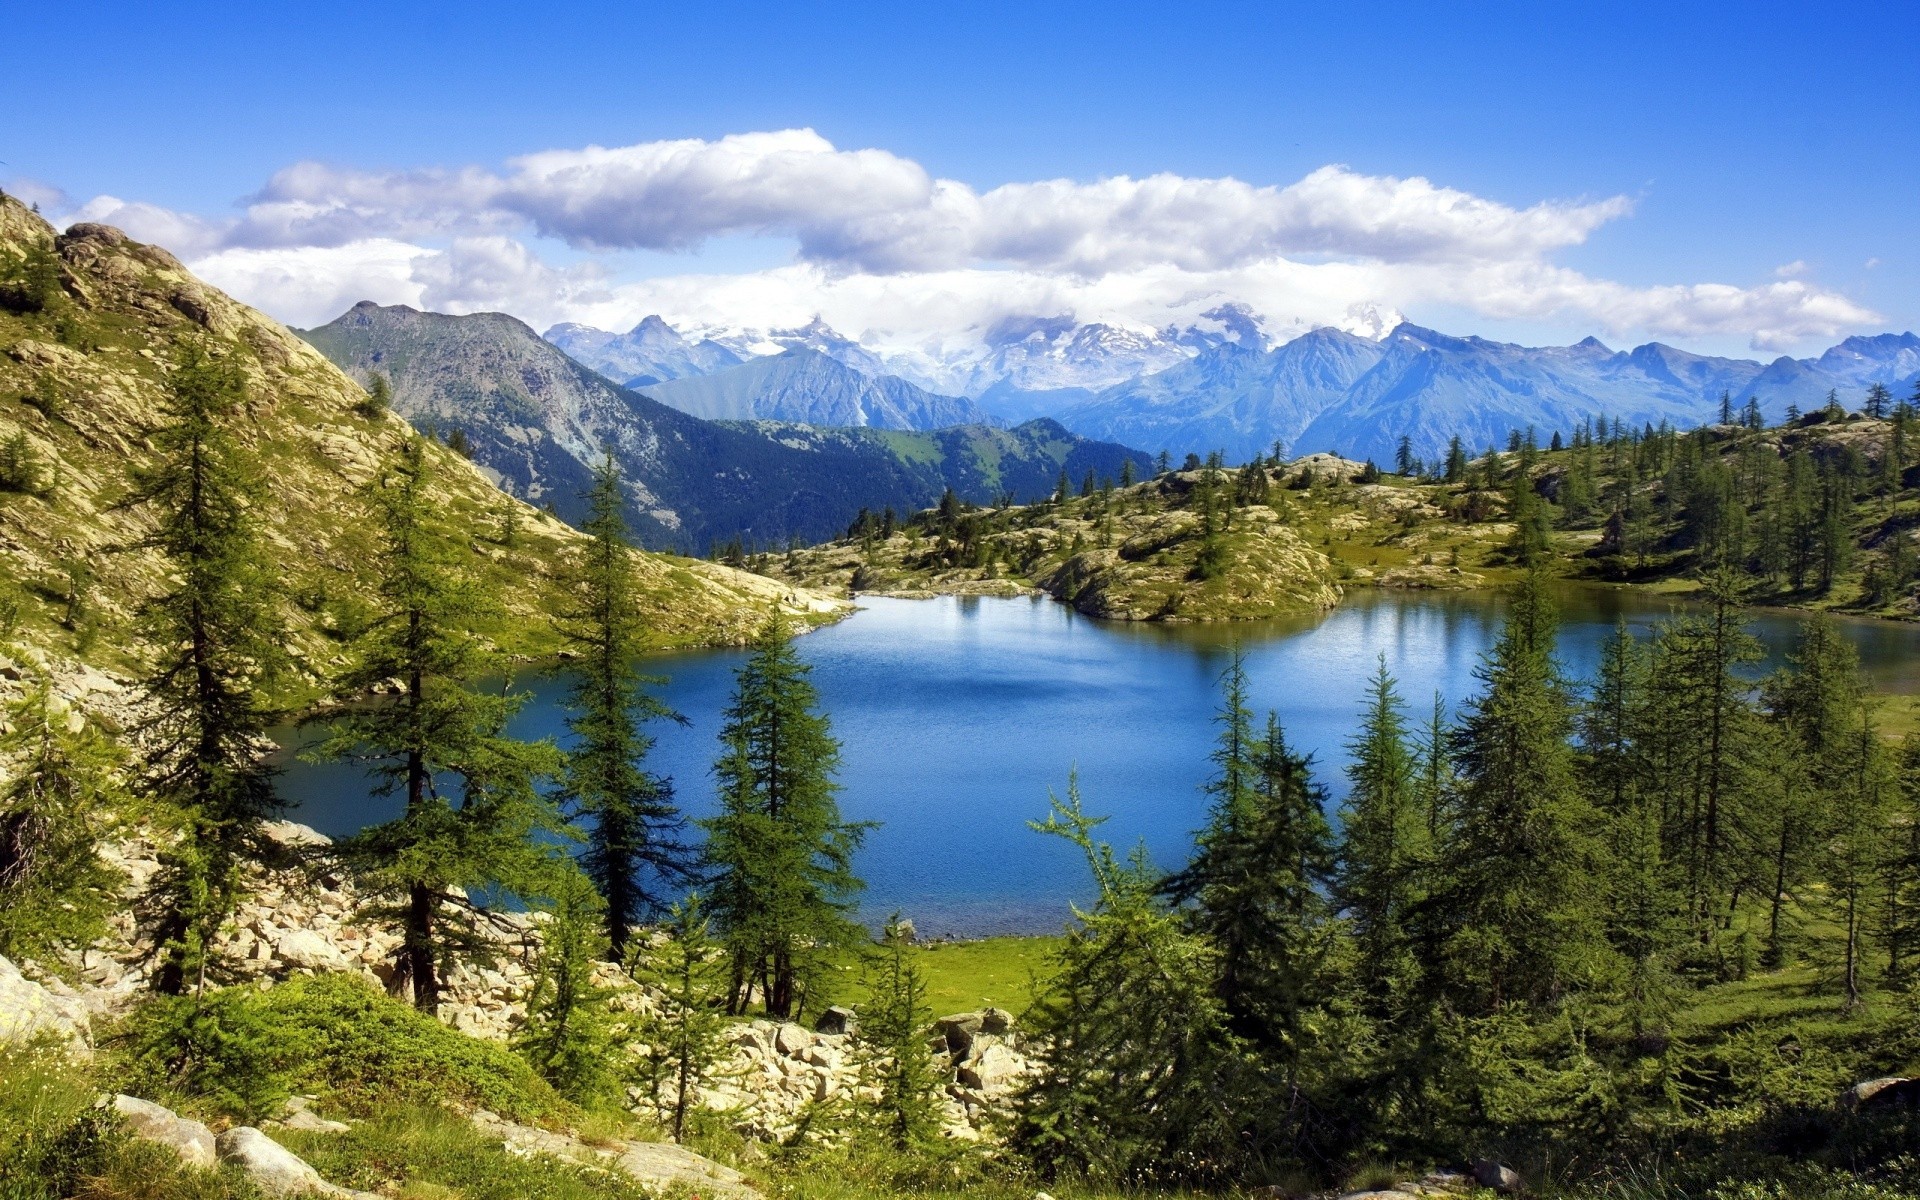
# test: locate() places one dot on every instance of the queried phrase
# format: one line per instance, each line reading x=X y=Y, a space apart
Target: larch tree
x=635 y=853
x=780 y=856
x=1383 y=845
x=1515 y=897
x=62 y=801
x=217 y=624
x=472 y=807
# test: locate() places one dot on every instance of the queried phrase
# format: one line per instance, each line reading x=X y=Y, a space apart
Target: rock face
x=28 y=1009
x=191 y=1140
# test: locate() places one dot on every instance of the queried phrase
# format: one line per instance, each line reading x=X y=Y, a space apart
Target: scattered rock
x=305 y=948
x=150 y=1122
x=837 y=1019
x=274 y=1169
x=659 y=1164
x=1497 y=1176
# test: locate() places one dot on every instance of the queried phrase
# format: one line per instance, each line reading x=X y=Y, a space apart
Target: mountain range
x=535 y=420
x=1221 y=384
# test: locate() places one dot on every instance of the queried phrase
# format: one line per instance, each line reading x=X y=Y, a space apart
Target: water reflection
x=959 y=714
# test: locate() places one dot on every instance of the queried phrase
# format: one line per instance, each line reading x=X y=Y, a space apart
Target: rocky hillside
x=89 y=324
x=1185 y=546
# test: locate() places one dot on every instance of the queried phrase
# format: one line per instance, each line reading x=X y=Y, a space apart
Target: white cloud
x=1792 y=270
x=310 y=285
x=887 y=250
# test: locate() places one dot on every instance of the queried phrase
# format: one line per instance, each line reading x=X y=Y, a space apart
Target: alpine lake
x=958 y=715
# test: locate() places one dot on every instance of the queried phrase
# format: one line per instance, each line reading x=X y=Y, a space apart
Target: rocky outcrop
x=1886 y=1093
x=150 y=1122
x=276 y=1170
x=778 y=1069
x=29 y=1009
x=655 y=1164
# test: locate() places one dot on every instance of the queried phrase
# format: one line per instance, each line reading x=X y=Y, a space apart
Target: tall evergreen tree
x=781 y=856
x=634 y=848
x=423 y=866
x=1136 y=1055
x=218 y=628
x=1515 y=908
x=1383 y=845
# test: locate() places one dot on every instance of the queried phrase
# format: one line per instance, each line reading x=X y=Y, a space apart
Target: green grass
x=426 y=1153
x=1001 y=972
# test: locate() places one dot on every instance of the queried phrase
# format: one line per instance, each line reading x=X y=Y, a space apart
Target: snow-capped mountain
x=1329 y=390
x=808 y=386
x=1225 y=382
x=650 y=352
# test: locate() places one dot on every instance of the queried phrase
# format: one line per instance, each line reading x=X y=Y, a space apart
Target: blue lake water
x=957 y=715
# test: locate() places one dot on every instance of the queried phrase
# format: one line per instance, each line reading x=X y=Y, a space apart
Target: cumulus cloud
x=884 y=247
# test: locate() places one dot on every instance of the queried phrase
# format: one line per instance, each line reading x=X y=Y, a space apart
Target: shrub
x=242 y=1051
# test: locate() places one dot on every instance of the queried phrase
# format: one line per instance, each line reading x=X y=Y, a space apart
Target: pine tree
x=217 y=623
x=378 y=400
x=1456 y=460
x=1902 y=866
x=892 y=1041
x=1514 y=905
x=1135 y=1054
x=634 y=847
x=685 y=1038
x=1257 y=879
x=568 y=1032
x=423 y=866
x=781 y=856
x=1879 y=402
x=1383 y=846
x=60 y=806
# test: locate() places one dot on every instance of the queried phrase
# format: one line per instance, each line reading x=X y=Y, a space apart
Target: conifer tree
x=1383 y=845
x=60 y=804
x=441 y=729
x=685 y=1037
x=568 y=1032
x=1257 y=879
x=892 y=1038
x=1902 y=865
x=1514 y=903
x=1135 y=1051
x=218 y=626
x=634 y=847
x=780 y=854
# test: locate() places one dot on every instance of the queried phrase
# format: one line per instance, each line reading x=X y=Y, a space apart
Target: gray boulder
x=150 y=1122
x=274 y=1169
x=1891 y=1091
x=1497 y=1176
x=835 y=1020
x=960 y=1029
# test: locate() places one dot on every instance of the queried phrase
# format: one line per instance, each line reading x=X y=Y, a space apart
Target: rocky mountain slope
x=808 y=386
x=84 y=360
x=981 y=463
x=534 y=419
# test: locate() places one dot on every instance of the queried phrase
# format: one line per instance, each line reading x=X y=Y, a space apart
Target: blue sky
x=1742 y=140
